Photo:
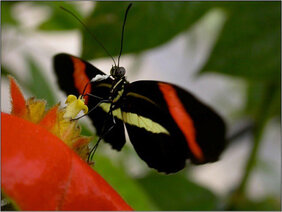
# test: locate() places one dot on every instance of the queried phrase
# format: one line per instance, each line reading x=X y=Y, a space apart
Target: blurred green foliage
x=59 y=20
x=249 y=44
x=267 y=204
x=6 y=15
x=248 y=47
x=177 y=193
x=147 y=26
x=42 y=89
x=127 y=187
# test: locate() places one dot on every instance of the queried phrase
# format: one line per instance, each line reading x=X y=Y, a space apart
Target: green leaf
x=267 y=204
x=263 y=101
x=38 y=85
x=257 y=92
x=275 y=107
x=5 y=72
x=60 y=20
x=125 y=185
x=8 y=204
x=249 y=45
x=149 y=24
x=6 y=13
x=85 y=130
x=176 y=192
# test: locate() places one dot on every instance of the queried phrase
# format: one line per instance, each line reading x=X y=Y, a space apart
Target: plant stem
x=259 y=125
x=258 y=131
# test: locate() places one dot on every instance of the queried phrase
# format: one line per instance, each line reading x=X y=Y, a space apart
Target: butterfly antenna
x=122 y=33
x=91 y=33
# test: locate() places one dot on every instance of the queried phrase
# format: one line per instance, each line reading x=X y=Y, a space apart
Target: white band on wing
x=99 y=77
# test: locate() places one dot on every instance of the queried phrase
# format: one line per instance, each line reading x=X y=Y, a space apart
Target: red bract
x=40 y=172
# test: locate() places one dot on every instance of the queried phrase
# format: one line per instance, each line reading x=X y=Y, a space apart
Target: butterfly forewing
x=73 y=74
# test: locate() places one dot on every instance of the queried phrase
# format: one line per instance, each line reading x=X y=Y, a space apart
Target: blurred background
x=226 y=53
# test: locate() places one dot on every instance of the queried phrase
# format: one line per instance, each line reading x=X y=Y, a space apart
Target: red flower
x=40 y=172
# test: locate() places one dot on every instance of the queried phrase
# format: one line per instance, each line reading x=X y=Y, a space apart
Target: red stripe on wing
x=80 y=77
x=182 y=118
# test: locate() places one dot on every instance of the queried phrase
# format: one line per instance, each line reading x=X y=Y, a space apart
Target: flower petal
x=50 y=119
x=17 y=99
x=39 y=172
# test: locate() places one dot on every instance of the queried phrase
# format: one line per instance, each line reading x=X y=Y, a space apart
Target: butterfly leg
x=104 y=133
x=94 y=96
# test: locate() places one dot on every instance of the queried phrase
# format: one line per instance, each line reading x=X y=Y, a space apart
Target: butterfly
x=166 y=124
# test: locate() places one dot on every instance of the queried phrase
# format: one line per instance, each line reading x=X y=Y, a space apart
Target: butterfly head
x=117 y=72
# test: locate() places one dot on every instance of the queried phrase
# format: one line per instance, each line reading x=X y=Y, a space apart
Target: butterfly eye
x=117 y=72
x=121 y=71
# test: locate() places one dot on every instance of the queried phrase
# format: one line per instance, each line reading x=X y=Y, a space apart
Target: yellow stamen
x=74 y=106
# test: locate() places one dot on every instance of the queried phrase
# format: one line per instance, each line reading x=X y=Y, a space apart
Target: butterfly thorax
x=117 y=89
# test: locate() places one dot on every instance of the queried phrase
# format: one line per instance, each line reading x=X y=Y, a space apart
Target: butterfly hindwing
x=167 y=125
x=103 y=121
x=209 y=126
x=73 y=74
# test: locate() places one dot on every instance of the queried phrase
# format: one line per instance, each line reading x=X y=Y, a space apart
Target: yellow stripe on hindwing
x=106 y=108
x=136 y=120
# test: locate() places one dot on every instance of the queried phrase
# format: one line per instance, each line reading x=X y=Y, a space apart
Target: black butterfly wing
x=73 y=74
x=167 y=125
